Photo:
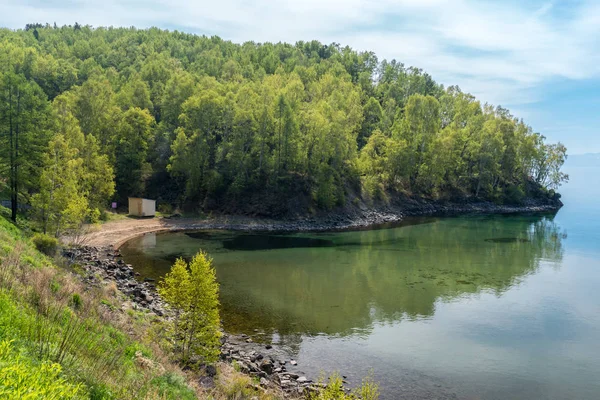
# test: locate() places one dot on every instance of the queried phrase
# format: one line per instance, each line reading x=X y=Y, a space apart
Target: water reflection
x=342 y=283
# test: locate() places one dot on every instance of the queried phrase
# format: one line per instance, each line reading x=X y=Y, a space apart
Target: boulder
x=267 y=366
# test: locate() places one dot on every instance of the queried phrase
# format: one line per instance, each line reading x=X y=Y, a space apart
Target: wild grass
x=51 y=322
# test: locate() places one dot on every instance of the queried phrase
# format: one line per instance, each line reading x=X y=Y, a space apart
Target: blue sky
x=539 y=58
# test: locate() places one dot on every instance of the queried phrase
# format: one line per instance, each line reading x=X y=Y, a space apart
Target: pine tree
x=192 y=291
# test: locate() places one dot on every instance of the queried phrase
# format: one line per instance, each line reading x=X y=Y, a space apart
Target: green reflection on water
x=342 y=283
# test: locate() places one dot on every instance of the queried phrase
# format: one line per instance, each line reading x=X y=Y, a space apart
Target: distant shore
x=116 y=233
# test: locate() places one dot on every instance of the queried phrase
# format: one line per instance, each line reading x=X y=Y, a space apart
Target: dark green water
x=504 y=307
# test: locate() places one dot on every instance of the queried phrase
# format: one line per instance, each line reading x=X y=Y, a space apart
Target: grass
x=51 y=325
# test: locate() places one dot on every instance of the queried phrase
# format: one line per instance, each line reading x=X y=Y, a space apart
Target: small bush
x=45 y=244
x=94 y=216
x=514 y=194
x=76 y=301
x=100 y=392
x=165 y=208
x=22 y=378
x=173 y=386
x=369 y=390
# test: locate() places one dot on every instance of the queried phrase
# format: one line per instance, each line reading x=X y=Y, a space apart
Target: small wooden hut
x=139 y=207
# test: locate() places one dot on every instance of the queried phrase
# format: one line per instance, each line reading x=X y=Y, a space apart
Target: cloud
x=502 y=52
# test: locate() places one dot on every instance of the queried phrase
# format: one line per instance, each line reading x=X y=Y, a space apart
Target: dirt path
x=115 y=233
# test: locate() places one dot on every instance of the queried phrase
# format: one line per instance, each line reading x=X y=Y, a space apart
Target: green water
x=479 y=307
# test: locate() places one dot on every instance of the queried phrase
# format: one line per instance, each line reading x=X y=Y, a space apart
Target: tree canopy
x=205 y=123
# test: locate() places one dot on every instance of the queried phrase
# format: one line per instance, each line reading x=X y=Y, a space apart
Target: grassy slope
x=52 y=326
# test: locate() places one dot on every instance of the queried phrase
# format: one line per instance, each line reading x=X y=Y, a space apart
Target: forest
x=94 y=115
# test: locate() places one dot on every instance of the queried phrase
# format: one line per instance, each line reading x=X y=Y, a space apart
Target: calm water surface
x=480 y=307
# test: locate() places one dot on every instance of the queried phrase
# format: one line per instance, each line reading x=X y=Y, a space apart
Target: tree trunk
x=13 y=179
x=16 y=180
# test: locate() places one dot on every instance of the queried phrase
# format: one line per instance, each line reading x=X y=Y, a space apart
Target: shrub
x=94 y=216
x=369 y=390
x=23 y=378
x=165 y=208
x=45 y=243
x=514 y=194
x=173 y=386
x=76 y=301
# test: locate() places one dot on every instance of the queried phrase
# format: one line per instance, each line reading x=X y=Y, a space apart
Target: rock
x=302 y=379
x=263 y=382
x=210 y=370
x=267 y=366
x=249 y=340
x=293 y=362
x=268 y=347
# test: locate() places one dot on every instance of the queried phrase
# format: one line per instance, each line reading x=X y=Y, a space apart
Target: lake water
x=479 y=307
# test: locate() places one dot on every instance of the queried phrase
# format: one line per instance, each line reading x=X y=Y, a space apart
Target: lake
x=475 y=307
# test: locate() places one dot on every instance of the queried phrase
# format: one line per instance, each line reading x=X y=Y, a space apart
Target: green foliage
x=76 y=301
x=60 y=205
x=24 y=125
x=173 y=387
x=203 y=123
x=45 y=243
x=65 y=344
x=193 y=294
x=334 y=390
x=23 y=378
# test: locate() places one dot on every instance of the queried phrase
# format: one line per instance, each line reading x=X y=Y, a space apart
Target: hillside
x=95 y=115
x=66 y=334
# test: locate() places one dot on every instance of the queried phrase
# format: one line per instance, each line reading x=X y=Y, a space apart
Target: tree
x=135 y=93
x=24 y=128
x=96 y=111
x=547 y=164
x=130 y=152
x=287 y=128
x=418 y=127
x=60 y=204
x=192 y=291
x=96 y=180
x=267 y=121
x=373 y=113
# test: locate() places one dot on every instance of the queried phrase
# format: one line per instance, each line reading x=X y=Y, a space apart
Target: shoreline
x=117 y=233
x=272 y=366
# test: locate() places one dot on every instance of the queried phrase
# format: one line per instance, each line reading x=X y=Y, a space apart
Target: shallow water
x=480 y=307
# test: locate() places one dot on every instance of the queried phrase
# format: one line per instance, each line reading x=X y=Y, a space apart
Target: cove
x=475 y=307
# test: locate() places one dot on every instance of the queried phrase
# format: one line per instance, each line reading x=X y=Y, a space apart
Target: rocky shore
x=270 y=364
x=363 y=216
x=354 y=216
